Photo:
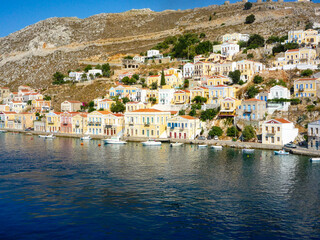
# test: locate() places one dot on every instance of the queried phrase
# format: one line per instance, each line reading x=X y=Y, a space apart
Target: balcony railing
x=247 y=110
x=131 y=124
x=271 y=132
x=65 y=124
x=300 y=89
x=147 y=124
x=108 y=126
x=77 y=125
x=50 y=123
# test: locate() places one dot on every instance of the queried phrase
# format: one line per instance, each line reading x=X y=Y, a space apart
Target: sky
x=22 y=13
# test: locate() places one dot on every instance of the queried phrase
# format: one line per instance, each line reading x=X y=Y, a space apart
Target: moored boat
x=202 y=145
x=114 y=140
x=47 y=136
x=281 y=152
x=151 y=143
x=3 y=131
x=216 y=147
x=86 y=138
x=248 y=150
x=176 y=144
x=314 y=159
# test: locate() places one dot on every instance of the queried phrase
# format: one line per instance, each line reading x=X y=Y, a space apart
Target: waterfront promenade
x=224 y=143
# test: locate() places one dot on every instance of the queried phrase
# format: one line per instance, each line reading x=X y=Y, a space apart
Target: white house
x=188 y=70
x=275 y=92
x=153 y=53
x=278 y=132
x=95 y=71
x=235 y=37
x=314 y=135
x=139 y=59
x=76 y=76
x=166 y=96
x=229 y=49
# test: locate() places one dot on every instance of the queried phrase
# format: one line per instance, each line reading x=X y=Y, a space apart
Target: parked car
x=215 y=138
x=201 y=138
x=290 y=145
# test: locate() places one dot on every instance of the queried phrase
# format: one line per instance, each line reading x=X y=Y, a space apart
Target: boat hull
x=106 y=141
x=151 y=143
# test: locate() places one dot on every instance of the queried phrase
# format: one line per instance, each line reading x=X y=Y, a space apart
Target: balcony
x=108 y=126
x=181 y=129
x=131 y=124
x=301 y=89
x=17 y=121
x=270 y=132
x=147 y=124
x=77 y=125
x=247 y=111
x=50 y=123
x=65 y=124
x=98 y=124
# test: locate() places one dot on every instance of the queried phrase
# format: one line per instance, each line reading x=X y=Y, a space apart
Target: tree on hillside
x=250 y=19
x=47 y=98
x=232 y=132
x=125 y=100
x=235 y=76
x=163 y=79
x=154 y=85
x=117 y=107
x=204 y=47
x=247 y=5
x=306 y=73
x=58 y=78
x=215 y=131
x=202 y=35
x=257 y=79
x=87 y=68
x=255 y=41
x=252 y=91
x=248 y=133
x=106 y=70
x=309 y=25
x=199 y=99
x=273 y=39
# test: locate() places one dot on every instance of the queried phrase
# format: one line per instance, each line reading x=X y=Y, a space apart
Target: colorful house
x=252 y=109
x=278 y=132
x=229 y=106
x=79 y=123
x=105 y=104
x=71 y=106
x=306 y=87
x=181 y=97
x=53 y=123
x=150 y=123
x=184 y=127
x=218 y=80
x=219 y=92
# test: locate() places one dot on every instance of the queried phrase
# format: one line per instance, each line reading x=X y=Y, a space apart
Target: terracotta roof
x=187 y=117
x=106 y=100
x=154 y=76
x=118 y=114
x=73 y=101
x=220 y=86
x=16 y=101
x=253 y=100
x=147 y=110
x=9 y=112
x=282 y=120
x=230 y=98
x=104 y=112
x=173 y=112
x=307 y=79
x=293 y=50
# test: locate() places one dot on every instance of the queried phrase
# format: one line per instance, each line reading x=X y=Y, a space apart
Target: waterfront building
x=306 y=87
x=53 y=123
x=184 y=127
x=71 y=106
x=66 y=122
x=314 y=135
x=278 y=132
x=79 y=123
x=24 y=120
x=252 y=109
x=7 y=119
x=146 y=123
x=17 y=106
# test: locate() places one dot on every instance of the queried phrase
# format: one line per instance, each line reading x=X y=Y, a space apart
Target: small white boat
x=216 y=147
x=176 y=144
x=314 y=159
x=202 y=145
x=151 y=143
x=3 y=131
x=86 y=138
x=114 y=140
x=248 y=150
x=281 y=152
x=47 y=136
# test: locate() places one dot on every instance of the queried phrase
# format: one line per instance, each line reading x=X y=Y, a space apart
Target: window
x=278 y=139
x=278 y=129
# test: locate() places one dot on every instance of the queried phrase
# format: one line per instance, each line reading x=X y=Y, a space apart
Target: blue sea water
x=58 y=189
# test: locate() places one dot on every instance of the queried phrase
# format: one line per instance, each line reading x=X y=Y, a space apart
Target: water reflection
x=59 y=188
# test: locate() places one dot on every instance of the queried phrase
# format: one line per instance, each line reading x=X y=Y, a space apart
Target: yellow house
x=173 y=81
x=248 y=68
x=26 y=120
x=4 y=108
x=181 y=97
x=218 y=80
x=41 y=105
x=53 y=123
x=8 y=120
x=184 y=127
x=229 y=106
x=96 y=120
x=173 y=71
x=202 y=69
x=79 y=123
x=199 y=91
x=152 y=93
x=309 y=37
x=122 y=91
x=306 y=87
x=131 y=106
x=114 y=124
x=219 y=92
x=153 y=78
x=105 y=104
x=303 y=56
x=150 y=123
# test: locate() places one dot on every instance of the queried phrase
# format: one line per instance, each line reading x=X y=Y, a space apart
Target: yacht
x=216 y=147
x=151 y=142
x=114 y=140
x=176 y=144
x=86 y=138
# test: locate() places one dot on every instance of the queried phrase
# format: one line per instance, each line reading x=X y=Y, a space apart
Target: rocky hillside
x=33 y=54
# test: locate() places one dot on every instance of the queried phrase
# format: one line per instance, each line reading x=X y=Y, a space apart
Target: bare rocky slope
x=33 y=54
